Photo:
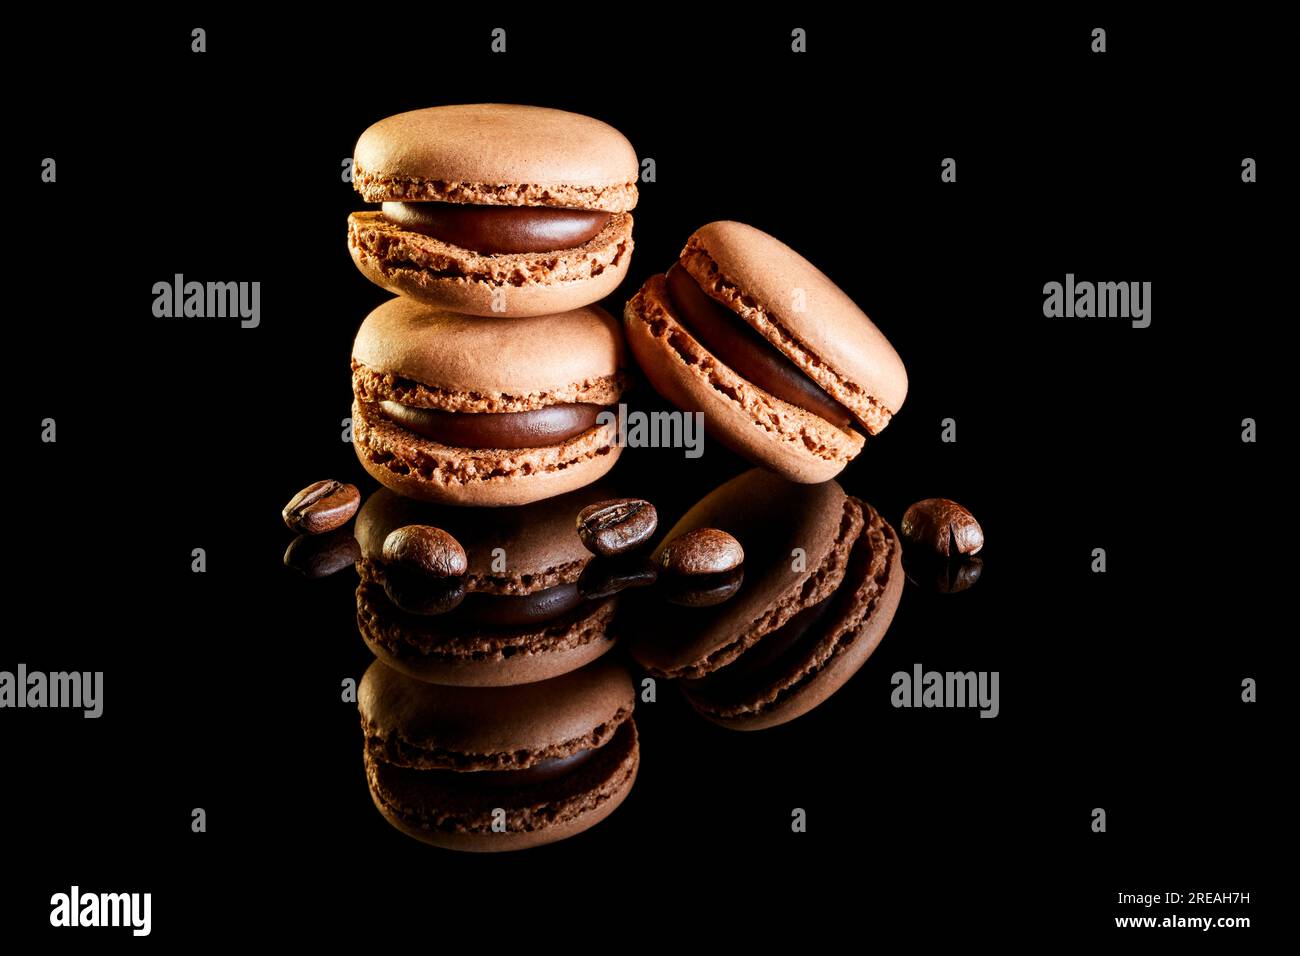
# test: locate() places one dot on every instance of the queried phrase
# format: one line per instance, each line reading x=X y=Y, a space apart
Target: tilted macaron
x=787 y=370
x=549 y=760
x=822 y=579
x=485 y=411
x=517 y=616
x=493 y=209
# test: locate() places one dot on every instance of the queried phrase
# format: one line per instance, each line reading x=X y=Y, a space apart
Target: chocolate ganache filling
x=538 y=428
x=499 y=230
x=748 y=354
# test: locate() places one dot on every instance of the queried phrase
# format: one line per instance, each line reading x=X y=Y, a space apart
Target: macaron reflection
x=821 y=580
x=487 y=769
x=517 y=616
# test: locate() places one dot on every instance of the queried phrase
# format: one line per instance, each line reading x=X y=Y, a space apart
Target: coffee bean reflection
x=937 y=575
x=319 y=556
x=418 y=593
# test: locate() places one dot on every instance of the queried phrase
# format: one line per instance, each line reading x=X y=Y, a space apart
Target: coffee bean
x=426 y=549
x=702 y=551
x=613 y=527
x=604 y=577
x=943 y=526
x=320 y=507
x=319 y=557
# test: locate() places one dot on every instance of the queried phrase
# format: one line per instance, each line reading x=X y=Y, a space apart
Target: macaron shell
x=770 y=517
x=493 y=728
x=481 y=477
x=792 y=304
x=593 y=798
x=508 y=285
x=490 y=364
x=538 y=543
x=792 y=442
x=497 y=154
x=863 y=617
x=426 y=649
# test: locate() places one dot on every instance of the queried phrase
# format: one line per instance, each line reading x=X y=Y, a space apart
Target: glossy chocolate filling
x=540 y=772
x=748 y=354
x=539 y=428
x=499 y=229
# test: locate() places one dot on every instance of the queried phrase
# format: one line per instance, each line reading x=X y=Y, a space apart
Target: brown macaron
x=517 y=616
x=502 y=768
x=787 y=370
x=494 y=209
x=823 y=577
x=486 y=411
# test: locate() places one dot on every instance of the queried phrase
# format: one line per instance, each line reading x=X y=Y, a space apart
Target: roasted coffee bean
x=613 y=527
x=426 y=549
x=943 y=526
x=321 y=507
x=702 y=590
x=415 y=592
x=604 y=577
x=321 y=556
x=702 y=551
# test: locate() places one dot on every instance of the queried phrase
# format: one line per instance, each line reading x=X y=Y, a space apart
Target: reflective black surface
x=223 y=689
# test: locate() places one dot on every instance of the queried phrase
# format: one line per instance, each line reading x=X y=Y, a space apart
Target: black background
x=1119 y=690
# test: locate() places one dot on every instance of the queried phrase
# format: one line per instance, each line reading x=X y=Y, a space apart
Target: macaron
x=485 y=411
x=822 y=580
x=493 y=209
x=787 y=370
x=501 y=768
x=517 y=616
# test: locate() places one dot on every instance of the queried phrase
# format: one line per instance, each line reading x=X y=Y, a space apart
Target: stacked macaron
x=489 y=722
x=499 y=226
x=471 y=410
x=492 y=209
